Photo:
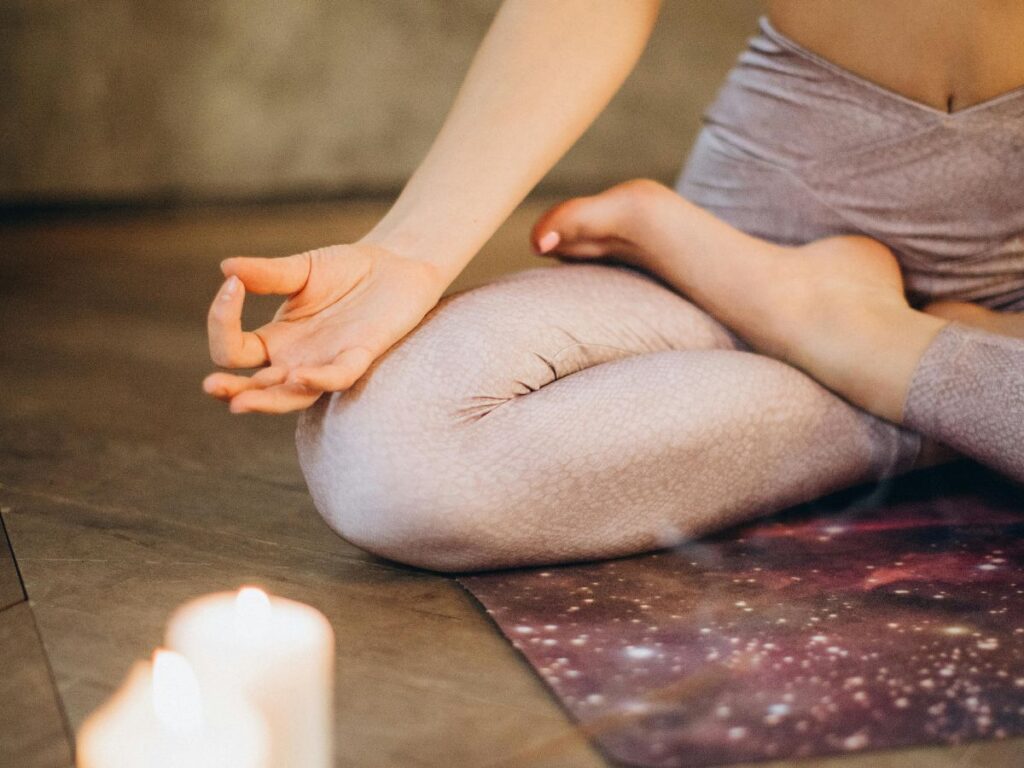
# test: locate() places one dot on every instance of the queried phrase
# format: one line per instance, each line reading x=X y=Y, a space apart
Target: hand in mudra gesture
x=346 y=305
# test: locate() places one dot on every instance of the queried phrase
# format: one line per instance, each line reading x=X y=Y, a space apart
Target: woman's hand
x=347 y=304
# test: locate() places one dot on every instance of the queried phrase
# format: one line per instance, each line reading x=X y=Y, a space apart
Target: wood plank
x=128 y=492
x=32 y=728
x=11 y=591
x=422 y=678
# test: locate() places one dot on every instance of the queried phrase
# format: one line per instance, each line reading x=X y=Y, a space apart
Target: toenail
x=549 y=241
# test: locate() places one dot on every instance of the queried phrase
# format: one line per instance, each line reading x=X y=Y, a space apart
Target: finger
x=278 y=399
x=285 y=275
x=230 y=346
x=225 y=386
x=341 y=374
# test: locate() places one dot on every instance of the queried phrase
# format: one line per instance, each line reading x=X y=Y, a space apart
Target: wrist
x=446 y=258
x=441 y=272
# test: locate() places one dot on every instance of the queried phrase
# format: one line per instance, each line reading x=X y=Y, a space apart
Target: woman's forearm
x=542 y=74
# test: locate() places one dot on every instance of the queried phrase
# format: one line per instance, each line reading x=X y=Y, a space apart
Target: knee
x=397 y=496
x=389 y=463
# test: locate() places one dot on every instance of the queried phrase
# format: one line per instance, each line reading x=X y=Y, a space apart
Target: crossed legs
x=834 y=307
x=578 y=412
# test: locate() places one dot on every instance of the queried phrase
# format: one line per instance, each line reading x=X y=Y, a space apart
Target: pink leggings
x=586 y=411
x=968 y=392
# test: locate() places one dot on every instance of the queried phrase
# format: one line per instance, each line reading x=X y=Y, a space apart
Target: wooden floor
x=126 y=492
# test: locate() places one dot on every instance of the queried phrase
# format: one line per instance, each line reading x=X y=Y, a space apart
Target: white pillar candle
x=160 y=719
x=277 y=652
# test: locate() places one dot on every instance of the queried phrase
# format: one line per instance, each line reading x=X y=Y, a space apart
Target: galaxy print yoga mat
x=877 y=618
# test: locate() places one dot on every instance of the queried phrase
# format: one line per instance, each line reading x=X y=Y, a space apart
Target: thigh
x=481 y=348
x=528 y=329
x=572 y=413
x=647 y=451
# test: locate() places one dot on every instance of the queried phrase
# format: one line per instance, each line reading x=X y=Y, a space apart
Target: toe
x=576 y=226
x=617 y=214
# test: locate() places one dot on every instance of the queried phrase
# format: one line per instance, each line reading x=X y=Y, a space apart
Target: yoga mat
x=878 y=618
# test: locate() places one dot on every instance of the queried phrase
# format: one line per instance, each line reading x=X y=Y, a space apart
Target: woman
x=831 y=169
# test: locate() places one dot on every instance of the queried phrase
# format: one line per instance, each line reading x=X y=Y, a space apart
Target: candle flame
x=177 y=701
x=252 y=612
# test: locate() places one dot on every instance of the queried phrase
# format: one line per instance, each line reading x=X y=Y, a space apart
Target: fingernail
x=549 y=241
x=229 y=288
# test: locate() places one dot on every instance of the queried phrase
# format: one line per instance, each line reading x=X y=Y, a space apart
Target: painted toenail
x=549 y=241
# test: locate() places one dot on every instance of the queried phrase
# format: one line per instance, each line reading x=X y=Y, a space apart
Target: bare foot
x=834 y=307
x=646 y=225
x=615 y=224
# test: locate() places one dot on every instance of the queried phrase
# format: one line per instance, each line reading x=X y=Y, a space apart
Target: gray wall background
x=114 y=100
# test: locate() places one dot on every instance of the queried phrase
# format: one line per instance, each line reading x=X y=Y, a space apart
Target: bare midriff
x=947 y=54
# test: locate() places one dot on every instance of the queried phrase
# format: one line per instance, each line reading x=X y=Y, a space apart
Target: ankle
x=785 y=310
x=866 y=353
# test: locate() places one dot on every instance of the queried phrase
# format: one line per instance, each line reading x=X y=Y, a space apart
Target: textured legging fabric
x=575 y=412
x=968 y=392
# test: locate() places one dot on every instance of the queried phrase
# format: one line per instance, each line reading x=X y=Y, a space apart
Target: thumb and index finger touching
x=230 y=346
x=275 y=389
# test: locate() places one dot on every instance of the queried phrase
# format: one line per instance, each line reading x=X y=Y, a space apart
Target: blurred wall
x=113 y=100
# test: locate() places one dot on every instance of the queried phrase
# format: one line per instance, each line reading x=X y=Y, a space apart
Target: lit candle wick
x=177 y=700
x=252 y=612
